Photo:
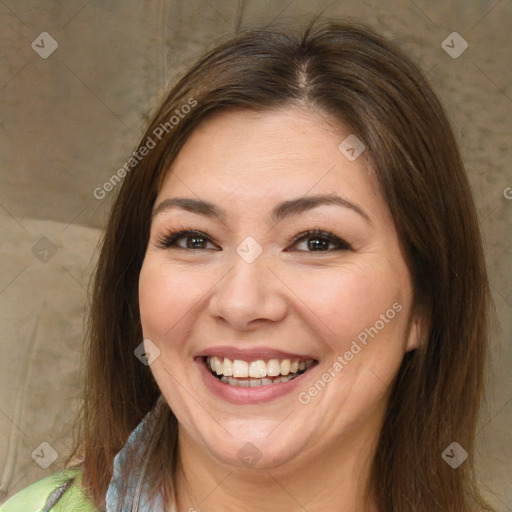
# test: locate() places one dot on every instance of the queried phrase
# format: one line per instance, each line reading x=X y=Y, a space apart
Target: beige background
x=69 y=121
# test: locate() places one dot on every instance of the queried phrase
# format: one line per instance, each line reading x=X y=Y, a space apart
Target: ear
x=418 y=329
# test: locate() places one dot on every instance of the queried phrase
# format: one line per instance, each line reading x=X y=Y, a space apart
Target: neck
x=334 y=480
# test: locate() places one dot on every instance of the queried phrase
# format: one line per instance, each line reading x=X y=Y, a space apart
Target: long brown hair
x=364 y=82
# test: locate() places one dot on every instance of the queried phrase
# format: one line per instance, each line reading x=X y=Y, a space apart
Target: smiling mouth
x=257 y=373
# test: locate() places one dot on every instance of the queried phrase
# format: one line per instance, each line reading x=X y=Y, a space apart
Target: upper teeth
x=256 y=369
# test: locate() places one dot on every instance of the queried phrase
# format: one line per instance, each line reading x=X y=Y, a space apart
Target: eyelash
x=167 y=241
x=325 y=235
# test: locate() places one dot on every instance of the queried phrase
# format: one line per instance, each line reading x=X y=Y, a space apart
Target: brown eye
x=187 y=239
x=319 y=241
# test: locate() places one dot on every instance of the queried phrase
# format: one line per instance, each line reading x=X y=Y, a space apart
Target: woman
x=296 y=243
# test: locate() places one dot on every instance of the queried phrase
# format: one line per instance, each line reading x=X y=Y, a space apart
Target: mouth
x=256 y=373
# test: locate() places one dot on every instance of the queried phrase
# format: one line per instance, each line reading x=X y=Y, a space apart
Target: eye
x=319 y=241
x=186 y=239
x=310 y=241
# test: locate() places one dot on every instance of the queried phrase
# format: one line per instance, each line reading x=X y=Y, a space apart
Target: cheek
x=166 y=296
x=350 y=300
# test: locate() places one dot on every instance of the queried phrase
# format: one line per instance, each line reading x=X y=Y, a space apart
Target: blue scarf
x=136 y=499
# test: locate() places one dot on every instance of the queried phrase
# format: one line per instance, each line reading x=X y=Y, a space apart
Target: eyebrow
x=280 y=211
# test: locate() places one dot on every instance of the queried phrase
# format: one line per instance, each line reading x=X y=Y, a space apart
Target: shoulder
x=60 y=491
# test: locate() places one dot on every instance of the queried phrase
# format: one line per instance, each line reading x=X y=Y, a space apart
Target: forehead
x=243 y=156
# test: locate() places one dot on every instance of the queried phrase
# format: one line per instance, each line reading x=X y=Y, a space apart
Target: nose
x=249 y=295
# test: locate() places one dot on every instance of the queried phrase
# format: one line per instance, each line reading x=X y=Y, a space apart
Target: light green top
x=60 y=492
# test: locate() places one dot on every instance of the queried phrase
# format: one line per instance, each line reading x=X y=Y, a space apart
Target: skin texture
x=314 y=456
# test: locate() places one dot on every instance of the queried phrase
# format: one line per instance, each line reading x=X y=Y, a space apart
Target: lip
x=258 y=395
x=252 y=354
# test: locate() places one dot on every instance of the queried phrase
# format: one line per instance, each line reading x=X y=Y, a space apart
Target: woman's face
x=250 y=293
